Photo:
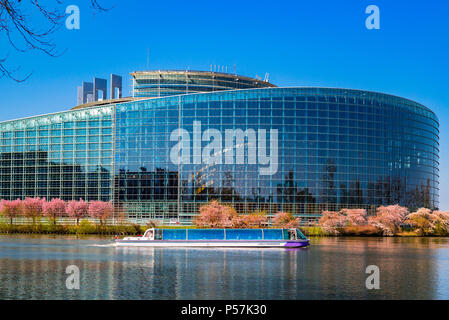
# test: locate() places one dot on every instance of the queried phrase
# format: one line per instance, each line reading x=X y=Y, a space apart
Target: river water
x=34 y=267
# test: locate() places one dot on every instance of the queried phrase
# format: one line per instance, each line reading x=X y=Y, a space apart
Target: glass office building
x=67 y=155
x=301 y=150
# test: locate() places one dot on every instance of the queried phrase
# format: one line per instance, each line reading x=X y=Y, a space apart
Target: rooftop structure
x=160 y=83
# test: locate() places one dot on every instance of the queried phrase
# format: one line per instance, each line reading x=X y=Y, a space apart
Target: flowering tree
x=33 y=207
x=100 y=210
x=77 y=209
x=11 y=208
x=54 y=208
x=285 y=220
x=256 y=219
x=423 y=220
x=442 y=223
x=294 y=223
x=282 y=218
x=239 y=222
x=332 y=222
x=354 y=217
x=216 y=215
x=389 y=219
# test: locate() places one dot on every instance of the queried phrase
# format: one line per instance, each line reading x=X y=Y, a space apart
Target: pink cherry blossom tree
x=423 y=220
x=54 y=208
x=294 y=223
x=285 y=220
x=332 y=222
x=227 y=214
x=77 y=209
x=281 y=218
x=354 y=217
x=256 y=219
x=215 y=215
x=11 y=209
x=33 y=207
x=442 y=221
x=239 y=222
x=100 y=210
x=389 y=219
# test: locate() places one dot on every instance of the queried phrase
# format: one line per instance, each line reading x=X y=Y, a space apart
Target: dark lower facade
x=300 y=150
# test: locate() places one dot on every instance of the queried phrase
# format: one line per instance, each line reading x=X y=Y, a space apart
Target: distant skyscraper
x=88 y=92
x=85 y=93
x=116 y=83
x=100 y=85
x=79 y=95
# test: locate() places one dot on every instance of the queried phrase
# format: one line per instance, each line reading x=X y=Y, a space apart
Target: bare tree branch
x=4 y=72
x=29 y=27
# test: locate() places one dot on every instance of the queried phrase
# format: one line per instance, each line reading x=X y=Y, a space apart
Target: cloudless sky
x=299 y=43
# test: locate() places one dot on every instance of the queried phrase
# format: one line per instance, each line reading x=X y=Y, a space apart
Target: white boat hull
x=214 y=243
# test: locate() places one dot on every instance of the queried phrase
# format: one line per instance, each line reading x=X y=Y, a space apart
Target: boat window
x=300 y=234
x=174 y=234
x=150 y=234
x=273 y=234
x=244 y=234
x=206 y=234
x=293 y=235
x=158 y=234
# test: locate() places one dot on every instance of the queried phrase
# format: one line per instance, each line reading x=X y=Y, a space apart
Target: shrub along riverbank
x=365 y=231
x=85 y=227
x=388 y=221
x=88 y=228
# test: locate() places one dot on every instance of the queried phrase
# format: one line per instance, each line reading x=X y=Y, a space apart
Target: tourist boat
x=247 y=238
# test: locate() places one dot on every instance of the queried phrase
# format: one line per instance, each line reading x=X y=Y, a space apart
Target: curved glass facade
x=301 y=150
x=336 y=148
x=168 y=83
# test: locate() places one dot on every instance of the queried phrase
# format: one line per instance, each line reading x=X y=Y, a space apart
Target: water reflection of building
x=333 y=268
x=37 y=270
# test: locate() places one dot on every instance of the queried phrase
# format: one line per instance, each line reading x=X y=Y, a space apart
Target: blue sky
x=299 y=43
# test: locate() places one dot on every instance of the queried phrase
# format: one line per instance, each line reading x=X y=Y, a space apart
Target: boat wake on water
x=103 y=245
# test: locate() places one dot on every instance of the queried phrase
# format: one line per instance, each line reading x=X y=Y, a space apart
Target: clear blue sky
x=299 y=43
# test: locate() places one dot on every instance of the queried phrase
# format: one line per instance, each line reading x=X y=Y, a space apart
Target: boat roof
x=241 y=229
